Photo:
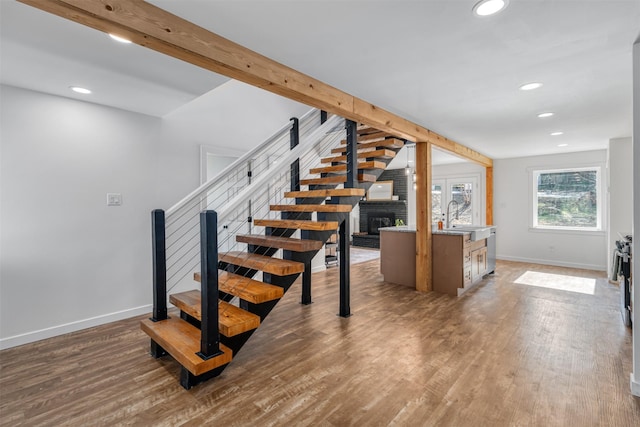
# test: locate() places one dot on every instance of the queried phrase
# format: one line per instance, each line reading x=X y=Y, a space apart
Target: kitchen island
x=460 y=257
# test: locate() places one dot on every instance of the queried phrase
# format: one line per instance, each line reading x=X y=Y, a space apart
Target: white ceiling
x=430 y=61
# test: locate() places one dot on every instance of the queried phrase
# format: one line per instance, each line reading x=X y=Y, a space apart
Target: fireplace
x=376 y=220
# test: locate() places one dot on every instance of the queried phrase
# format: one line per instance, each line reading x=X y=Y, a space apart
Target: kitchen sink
x=478 y=232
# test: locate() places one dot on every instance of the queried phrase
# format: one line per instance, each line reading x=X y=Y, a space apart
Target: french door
x=460 y=196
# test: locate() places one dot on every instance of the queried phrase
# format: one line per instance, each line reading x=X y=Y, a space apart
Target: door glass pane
x=460 y=206
x=436 y=203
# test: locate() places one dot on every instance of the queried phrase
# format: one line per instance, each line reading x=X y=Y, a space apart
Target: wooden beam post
x=424 y=281
x=489 y=195
x=157 y=29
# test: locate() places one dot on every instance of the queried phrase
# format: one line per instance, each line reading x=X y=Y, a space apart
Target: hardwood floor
x=504 y=354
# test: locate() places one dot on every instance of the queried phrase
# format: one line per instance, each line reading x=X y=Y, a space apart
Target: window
x=567 y=199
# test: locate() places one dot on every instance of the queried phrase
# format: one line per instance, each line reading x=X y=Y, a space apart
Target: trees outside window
x=567 y=199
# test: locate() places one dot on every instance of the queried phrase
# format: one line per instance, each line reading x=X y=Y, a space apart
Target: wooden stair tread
x=382 y=153
x=366 y=129
x=337 y=192
x=287 y=243
x=297 y=224
x=393 y=143
x=246 y=288
x=232 y=320
x=277 y=266
x=338 y=179
x=182 y=341
x=374 y=136
x=343 y=168
x=311 y=208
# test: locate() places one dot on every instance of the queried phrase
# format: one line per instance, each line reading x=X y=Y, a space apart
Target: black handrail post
x=209 y=333
x=352 y=150
x=158 y=244
x=294 y=135
x=323 y=116
x=345 y=269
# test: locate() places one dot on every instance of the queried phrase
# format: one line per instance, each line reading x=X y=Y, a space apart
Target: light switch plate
x=114 y=199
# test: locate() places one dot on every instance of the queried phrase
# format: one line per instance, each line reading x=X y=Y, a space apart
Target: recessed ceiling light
x=489 y=7
x=556 y=133
x=119 y=39
x=543 y=115
x=563 y=145
x=80 y=90
x=530 y=86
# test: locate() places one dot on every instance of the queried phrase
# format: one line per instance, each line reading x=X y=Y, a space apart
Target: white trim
x=205 y=150
x=319 y=268
x=553 y=262
x=601 y=208
x=78 y=325
x=635 y=386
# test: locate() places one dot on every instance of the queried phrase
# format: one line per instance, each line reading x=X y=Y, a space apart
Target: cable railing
x=241 y=192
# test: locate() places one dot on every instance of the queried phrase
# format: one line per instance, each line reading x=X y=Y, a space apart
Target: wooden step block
x=246 y=288
x=338 y=192
x=232 y=320
x=392 y=143
x=338 y=179
x=382 y=153
x=182 y=341
x=277 y=266
x=297 y=224
x=287 y=243
x=343 y=168
x=311 y=208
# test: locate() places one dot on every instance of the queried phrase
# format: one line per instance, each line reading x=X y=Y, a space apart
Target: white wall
x=230 y=120
x=69 y=261
x=512 y=206
x=620 y=170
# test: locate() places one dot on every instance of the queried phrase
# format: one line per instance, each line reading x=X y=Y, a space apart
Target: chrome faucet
x=449 y=214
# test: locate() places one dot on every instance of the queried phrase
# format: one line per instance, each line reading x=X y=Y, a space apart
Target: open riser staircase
x=278 y=255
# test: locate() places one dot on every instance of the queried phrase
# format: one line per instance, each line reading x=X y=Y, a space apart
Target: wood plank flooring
x=504 y=354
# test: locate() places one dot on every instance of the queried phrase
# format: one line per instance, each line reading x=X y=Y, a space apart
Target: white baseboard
x=553 y=262
x=318 y=268
x=66 y=328
x=635 y=386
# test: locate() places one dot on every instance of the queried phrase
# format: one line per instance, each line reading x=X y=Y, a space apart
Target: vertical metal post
x=158 y=244
x=294 y=135
x=209 y=334
x=345 y=268
x=323 y=116
x=352 y=152
x=306 y=284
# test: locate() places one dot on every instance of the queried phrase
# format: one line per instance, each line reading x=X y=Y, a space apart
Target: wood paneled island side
x=458 y=262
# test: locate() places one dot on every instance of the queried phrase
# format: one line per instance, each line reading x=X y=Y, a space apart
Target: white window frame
x=600 y=206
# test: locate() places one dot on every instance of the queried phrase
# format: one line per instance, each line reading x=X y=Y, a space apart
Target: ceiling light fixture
x=543 y=115
x=120 y=39
x=556 y=133
x=530 y=86
x=563 y=145
x=79 y=89
x=489 y=7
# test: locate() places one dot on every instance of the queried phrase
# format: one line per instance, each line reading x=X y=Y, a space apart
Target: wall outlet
x=114 y=199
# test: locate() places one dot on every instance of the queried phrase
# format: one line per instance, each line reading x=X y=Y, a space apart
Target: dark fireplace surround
x=376 y=214
x=376 y=220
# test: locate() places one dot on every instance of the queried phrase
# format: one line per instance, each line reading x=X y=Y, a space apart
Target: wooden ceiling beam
x=157 y=29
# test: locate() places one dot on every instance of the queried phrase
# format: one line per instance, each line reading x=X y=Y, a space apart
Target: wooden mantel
x=157 y=29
